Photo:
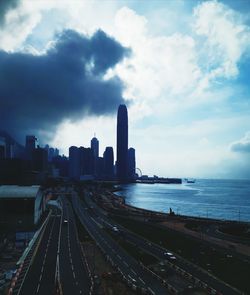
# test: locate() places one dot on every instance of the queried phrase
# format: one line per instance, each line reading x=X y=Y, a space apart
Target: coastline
x=223 y=200
x=178 y=223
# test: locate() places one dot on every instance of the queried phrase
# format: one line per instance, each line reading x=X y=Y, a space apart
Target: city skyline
x=181 y=67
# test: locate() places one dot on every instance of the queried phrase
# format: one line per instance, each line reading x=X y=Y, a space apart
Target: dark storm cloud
x=6 y=5
x=38 y=92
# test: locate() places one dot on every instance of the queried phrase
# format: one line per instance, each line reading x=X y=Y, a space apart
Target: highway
x=57 y=261
x=159 y=252
x=73 y=274
x=131 y=270
x=40 y=277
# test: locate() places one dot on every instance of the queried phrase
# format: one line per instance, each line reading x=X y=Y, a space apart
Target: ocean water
x=212 y=198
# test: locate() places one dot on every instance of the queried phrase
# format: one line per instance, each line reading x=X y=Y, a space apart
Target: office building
x=40 y=159
x=108 y=157
x=74 y=163
x=131 y=163
x=30 y=145
x=95 y=150
x=122 y=144
x=95 y=147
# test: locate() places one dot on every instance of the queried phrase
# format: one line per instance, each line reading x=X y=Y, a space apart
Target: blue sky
x=186 y=79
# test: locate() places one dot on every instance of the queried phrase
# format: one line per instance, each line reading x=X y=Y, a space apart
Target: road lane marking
x=142 y=280
x=38 y=287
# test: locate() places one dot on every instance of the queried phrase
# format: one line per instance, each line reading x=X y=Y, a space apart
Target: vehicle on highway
x=115 y=229
x=170 y=255
x=65 y=222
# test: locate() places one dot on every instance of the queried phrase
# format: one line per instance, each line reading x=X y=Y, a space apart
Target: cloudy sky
x=182 y=68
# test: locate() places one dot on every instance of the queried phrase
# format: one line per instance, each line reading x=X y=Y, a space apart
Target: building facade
x=122 y=144
x=108 y=157
x=131 y=163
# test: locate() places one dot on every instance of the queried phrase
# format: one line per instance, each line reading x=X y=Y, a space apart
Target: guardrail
x=27 y=258
x=125 y=278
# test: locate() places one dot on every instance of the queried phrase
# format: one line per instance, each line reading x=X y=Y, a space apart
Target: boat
x=189 y=180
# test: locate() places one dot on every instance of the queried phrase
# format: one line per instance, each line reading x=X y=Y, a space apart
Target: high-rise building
x=62 y=164
x=40 y=159
x=95 y=147
x=30 y=145
x=2 y=148
x=74 y=162
x=108 y=157
x=100 y=168
x=2 y=151
x=131 y=163
x=95 y=151
x=122 y=144
x=86 y=161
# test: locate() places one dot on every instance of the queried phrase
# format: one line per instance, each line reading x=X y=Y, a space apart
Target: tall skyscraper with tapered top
x=122 y=144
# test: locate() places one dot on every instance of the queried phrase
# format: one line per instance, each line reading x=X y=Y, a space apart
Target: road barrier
x=28 y=255
x=127 y=280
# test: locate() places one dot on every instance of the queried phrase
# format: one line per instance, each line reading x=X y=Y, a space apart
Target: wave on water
x=222 y=199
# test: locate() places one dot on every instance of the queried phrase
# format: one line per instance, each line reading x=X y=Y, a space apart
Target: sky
x=180 y=66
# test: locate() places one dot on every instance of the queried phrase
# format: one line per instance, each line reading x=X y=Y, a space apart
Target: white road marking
x=38 y=287
x=151 y=290
x=142 y=280
x=133 y=272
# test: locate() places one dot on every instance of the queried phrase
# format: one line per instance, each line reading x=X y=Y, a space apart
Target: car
x=65 y=221
x=170 y=255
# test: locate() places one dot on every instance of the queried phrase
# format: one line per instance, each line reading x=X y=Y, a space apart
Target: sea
x=209 y=198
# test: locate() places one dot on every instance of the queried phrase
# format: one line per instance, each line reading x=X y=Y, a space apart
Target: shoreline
x=180 y=216
x=202 y=216
x=240 y=244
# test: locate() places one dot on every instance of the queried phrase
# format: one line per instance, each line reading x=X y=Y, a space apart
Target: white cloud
x=79 y=15
x=227 y=37
x=167 y=75
x=242 y=145
x=159 y=65
x=19 y=23
x=80 y=133
x=166 y=72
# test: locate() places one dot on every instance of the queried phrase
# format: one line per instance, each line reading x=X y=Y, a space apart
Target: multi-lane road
x=73 y=274
x=57 y=263
x=160 y=252
x=132 y=271
x=40 y=276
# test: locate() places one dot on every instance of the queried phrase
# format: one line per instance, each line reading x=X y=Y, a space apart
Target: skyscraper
x=95 y=151
x=108 y=157
x=131 y=163
x=74 y=162
x=95 y=147
x=30 y=145
x=122 y=144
